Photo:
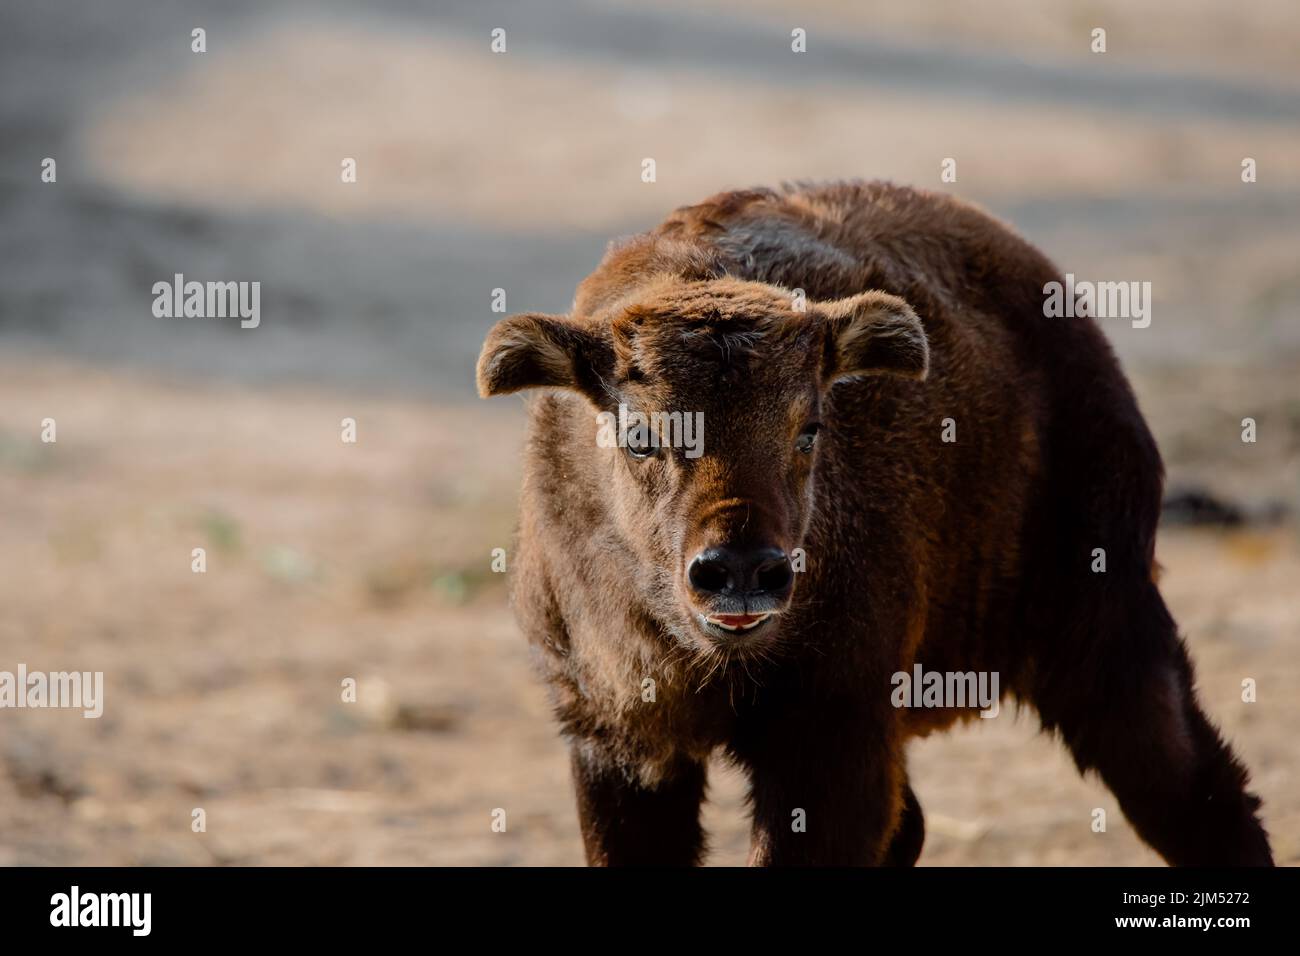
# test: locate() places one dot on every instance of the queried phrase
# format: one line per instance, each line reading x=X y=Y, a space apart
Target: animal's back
x=965 y=273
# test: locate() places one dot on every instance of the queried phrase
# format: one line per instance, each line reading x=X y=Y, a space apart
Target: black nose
x=726 y=570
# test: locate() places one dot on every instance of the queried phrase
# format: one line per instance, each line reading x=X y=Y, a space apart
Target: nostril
x=708 y=574
x=774 y=575
x=724 y=570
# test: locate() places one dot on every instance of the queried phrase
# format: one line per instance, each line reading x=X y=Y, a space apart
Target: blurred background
x=478 y=171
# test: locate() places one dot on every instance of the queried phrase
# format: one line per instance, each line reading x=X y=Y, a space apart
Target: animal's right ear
x=532 y=350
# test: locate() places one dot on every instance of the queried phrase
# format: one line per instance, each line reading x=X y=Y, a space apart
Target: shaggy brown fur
x=973 y=555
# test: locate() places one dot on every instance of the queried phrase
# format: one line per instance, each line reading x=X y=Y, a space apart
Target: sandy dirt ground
x=371 y=562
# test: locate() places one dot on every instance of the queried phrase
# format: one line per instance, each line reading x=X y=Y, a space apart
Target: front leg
x=824 y=793
x=628 y=822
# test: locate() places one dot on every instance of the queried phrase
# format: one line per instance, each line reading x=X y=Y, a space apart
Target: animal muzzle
x=738 y=588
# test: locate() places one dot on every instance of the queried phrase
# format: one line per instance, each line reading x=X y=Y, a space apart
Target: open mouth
x=737 y=622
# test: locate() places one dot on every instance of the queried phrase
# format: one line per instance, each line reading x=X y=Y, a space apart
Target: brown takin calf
x=794 y=443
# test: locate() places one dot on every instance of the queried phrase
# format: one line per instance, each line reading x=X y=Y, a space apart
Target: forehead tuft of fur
x=670 y=326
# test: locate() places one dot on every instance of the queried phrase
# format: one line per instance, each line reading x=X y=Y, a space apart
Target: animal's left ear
x=873 y=333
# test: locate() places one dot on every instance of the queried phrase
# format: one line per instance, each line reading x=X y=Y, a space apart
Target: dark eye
x=637 y=443
x=807 y=438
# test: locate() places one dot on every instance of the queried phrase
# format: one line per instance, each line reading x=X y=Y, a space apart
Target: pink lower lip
x=737 y=620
